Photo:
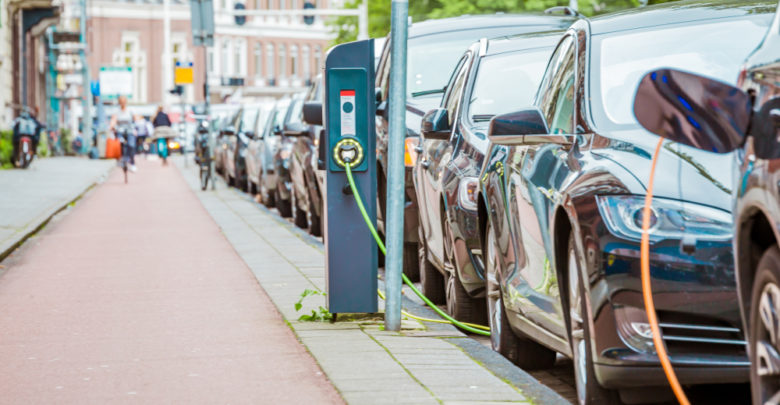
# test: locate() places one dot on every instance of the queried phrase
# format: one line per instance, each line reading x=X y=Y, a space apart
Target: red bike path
x=135 y=295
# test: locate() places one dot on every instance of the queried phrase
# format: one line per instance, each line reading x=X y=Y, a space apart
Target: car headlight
x=670 y=219
x=467 y=193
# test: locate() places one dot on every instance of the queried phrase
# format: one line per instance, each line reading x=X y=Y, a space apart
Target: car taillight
x=410 y=151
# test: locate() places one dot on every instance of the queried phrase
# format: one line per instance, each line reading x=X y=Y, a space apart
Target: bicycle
x=124 y=160
x=204 y=156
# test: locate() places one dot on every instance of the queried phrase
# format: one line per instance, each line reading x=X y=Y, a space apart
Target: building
x=257 y=57
x=23 y=55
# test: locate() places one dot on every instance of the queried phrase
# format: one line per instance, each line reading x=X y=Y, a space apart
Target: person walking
x=161 y=119
x=143 y=129
x=122 y=125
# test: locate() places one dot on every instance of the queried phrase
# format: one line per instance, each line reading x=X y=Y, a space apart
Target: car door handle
x=418 y=149
x=425 y=164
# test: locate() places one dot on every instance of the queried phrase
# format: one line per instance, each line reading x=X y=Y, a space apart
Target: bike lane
x=135 y=295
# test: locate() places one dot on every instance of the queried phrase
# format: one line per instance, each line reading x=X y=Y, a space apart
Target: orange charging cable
x=647 y=289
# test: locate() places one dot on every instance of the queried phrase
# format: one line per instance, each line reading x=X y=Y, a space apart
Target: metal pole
x=363 y=20
x=395 y=172
x=212 y=140
x=167 y=69
x=86 y=104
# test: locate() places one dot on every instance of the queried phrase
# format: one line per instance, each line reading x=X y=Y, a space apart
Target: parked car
x=434 y=48
x=226 y=128
x=564 y=188
x=283 y=157
x=260 y=154
x=306 y=182
x=235 y=162
x=493 y=77
x=674 y=109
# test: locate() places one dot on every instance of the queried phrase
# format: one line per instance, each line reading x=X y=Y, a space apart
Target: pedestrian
x=143 y=129
x=123 y=121
x=26 y=124
x=161 y=118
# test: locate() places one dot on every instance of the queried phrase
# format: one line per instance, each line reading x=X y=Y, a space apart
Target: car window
x=248 y=119
x=455 y=86
x=556 y=93
x=296 y=112
x=506 y=82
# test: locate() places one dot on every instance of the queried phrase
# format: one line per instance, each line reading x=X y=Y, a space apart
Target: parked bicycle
x=123 y=133
x=203 y=154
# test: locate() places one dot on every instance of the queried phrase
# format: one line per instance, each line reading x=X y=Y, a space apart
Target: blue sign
x=94 y=87
x=240 y=19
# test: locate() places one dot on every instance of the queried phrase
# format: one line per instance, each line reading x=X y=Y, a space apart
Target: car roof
x=522 y=42
x=675 y=13
x=474 y=22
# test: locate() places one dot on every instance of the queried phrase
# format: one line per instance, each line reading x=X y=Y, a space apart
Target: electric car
x=492 y=77
x=235 y=162
x=564 y=188
x=665 y=106
x=433 y=49
x=283 y=155
x=260 y=154
x=306 y=182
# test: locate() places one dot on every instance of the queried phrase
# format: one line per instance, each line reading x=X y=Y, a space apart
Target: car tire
x=589 y=391
x=460 y=305
x=315 y=222
x=431 y=280
x=299 y=215
x=524 y=352
x=267 y=197
x=284 y=206
x=411 y=262
x=765 y=315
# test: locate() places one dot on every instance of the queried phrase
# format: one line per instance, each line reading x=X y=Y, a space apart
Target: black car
x=493 y=77
x=564 y=185
x=306 y=181
x=665 y=105
x=282 y=158
x=433 y=49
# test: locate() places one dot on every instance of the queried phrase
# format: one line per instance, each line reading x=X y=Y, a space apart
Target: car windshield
x=296 y=112
x=714 y=49
x=506 y=82
x=431 y=58
x=248 y=119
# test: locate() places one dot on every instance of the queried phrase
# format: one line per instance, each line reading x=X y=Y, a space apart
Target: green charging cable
x=477 y=329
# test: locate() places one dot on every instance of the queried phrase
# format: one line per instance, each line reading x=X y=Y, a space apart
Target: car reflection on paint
x=566 y=178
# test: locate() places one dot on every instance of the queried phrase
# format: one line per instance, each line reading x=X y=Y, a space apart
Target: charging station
x=350 y=135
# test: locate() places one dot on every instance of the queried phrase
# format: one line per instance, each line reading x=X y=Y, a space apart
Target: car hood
x=682 y=172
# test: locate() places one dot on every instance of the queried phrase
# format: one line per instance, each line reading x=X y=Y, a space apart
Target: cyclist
x=122 y=124
x=26 y=124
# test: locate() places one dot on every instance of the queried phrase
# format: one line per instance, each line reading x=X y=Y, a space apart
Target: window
x=224 y=57
x=306 y=62
x=317 y=58
x=210 y=60
x=238 y=58
x=258 y=54
x=282 y=61
x=556 y=93
x=130 y=54
x=270 y=72
x=455 y=87
x=294 y=60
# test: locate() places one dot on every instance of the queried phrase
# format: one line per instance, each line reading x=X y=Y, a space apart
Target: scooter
x=26 y=152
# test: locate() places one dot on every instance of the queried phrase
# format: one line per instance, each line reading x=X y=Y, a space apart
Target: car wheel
x=411 y=262
x=764 y=328
x=315 y=222
x=431 y=280
x=589 y=391
x=460 y=305
x=266 y=196
x=252 y=187
x=284 y=206
x=523 y=352
x=299 y=215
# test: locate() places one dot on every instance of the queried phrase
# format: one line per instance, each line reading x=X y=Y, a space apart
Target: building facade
x=262 y=56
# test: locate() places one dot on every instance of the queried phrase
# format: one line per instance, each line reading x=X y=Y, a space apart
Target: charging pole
x=395 y=169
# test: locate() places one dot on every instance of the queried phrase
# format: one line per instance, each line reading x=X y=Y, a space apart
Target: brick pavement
x=136 y=296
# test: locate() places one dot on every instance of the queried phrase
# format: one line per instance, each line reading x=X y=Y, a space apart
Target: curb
x=41 y=221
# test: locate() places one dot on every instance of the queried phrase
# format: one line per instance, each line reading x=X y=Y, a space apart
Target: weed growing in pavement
x=320 y=314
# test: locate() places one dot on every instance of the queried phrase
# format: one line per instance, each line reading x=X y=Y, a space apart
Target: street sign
x=308 y=19
x=240 y=19
x=116 y=81
x=183 y=73
x=202 y=12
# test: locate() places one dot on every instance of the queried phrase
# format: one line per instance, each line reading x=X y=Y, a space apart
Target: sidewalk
x=421 y=365
x=135 y=296
x=28 y=198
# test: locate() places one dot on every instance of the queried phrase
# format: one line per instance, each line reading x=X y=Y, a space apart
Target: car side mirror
x=381 y=109
x=296 y=129
x=312 y=112
x=378 y=95
x=692 y=110
x=229 y=130
x=436 y=124
x=250 y=134
x=277 y=130
x=524 y=122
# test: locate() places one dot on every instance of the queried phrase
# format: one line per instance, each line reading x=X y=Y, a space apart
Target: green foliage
x=379 y=11
x=320 y=314
x=6 y=149
x=66 y=140
x=43 y=145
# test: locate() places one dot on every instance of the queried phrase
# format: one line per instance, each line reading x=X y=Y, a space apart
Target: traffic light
x=177 y=90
